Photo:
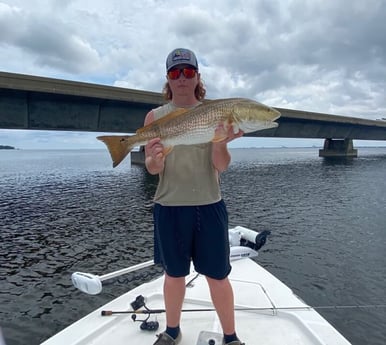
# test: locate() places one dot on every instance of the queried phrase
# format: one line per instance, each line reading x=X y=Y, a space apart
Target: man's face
x=183 y=79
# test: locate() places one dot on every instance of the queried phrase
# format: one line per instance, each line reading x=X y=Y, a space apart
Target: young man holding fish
x=190 y=218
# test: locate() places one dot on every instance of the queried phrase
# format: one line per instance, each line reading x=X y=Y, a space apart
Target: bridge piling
x=338 y=148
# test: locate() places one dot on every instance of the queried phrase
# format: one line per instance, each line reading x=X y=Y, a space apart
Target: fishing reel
x=145 y=325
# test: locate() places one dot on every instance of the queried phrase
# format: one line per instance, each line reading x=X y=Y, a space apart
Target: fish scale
x=196 y=126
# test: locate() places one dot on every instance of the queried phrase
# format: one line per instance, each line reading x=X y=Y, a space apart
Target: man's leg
x=174 y=293
x=222 y=296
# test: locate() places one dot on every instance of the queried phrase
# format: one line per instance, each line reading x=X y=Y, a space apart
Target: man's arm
x=220 y=154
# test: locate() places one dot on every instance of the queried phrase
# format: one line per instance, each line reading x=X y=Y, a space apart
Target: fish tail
x=119 y=146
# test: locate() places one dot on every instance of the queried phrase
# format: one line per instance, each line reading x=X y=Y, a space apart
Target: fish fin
x=167 y=150
x=176 y=113
x=118 y=146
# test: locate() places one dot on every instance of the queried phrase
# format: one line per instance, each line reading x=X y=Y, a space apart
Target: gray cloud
x=321 y=55
x=48 y=41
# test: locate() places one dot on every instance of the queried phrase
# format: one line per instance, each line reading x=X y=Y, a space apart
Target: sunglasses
x=188 y=73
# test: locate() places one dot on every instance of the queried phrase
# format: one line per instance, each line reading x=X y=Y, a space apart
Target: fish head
x=251 y=116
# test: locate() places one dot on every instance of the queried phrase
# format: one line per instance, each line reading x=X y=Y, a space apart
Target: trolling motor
x=146 y=325
x=258 y=242
x=240 y=236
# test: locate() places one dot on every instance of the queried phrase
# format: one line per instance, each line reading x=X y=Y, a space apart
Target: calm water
x=66 y=211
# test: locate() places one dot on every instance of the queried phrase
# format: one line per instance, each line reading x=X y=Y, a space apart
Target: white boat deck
x=254 y=288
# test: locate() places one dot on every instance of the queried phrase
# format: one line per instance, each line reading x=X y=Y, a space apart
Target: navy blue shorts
x=197 y=233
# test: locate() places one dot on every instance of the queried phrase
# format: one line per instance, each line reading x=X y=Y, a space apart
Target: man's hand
x=228 y=133
x=155 y=156
x=154 y=149
x=220 y=154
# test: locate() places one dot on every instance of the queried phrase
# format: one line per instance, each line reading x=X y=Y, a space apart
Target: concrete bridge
x=30 y=102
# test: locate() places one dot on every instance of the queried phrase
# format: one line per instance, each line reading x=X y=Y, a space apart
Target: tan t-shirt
x=189 y=177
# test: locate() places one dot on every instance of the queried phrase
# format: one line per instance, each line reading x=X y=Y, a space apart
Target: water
x=66 y=211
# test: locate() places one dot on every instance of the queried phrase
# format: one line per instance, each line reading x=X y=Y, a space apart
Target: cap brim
x=180 y=63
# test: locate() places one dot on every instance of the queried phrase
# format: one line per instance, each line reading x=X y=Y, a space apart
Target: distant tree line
x=6 y=147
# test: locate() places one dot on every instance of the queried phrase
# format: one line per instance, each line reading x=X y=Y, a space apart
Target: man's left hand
x=229 y=132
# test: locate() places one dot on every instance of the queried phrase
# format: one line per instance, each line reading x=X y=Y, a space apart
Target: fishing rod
x=154 y=325
x=139 y=302
x=160 y=311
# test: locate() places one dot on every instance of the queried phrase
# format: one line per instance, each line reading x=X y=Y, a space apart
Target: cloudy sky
x=318 y=55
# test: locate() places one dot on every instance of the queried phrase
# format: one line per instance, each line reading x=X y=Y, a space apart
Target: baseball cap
x=181 y=56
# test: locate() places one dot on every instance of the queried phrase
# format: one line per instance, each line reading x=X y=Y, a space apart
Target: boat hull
x=267 y=312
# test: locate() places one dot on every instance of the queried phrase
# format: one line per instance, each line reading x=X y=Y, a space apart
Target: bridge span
x=39 y=103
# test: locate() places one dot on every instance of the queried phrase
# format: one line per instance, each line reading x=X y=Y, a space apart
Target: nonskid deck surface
x=267 y=312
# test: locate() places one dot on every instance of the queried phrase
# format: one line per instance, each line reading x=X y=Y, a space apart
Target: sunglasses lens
x=174 y=74
x=189 y=72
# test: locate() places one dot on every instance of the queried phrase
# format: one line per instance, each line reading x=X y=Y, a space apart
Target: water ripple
x=69 y=211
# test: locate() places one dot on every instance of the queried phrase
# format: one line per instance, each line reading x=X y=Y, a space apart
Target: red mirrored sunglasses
x=188 y=72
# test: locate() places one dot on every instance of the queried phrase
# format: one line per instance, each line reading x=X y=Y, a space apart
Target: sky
x=324 y=56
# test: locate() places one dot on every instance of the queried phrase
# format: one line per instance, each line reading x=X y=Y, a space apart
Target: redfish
x=196 y=126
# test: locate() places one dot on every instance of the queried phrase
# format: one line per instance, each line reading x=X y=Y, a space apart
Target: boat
x=266 y=310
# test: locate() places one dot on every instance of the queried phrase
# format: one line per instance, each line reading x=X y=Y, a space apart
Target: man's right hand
x=154 y=149
x=155 y=157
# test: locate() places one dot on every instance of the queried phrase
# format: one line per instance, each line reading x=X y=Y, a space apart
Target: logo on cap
x=180 y=54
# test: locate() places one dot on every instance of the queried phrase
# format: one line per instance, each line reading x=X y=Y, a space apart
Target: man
x=190 y=218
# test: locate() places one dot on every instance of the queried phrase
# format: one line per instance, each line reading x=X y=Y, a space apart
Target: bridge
x=38 y=103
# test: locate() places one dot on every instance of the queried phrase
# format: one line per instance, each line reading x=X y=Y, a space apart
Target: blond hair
x=199 y=91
